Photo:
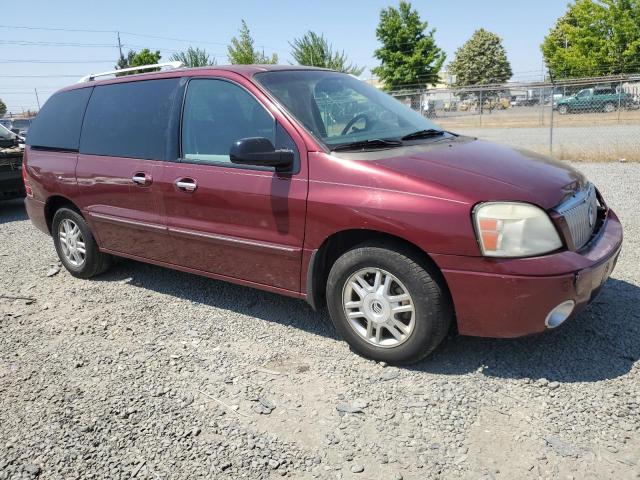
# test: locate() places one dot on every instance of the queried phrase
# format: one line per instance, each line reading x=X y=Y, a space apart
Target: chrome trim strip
x=135 y=223
x=234 y=240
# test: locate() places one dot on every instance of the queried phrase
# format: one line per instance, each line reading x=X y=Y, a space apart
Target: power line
x=133 y=34
x=52 y=29
x=27 y=43
x=132 y=45
x=42 y=76
x=55 y=61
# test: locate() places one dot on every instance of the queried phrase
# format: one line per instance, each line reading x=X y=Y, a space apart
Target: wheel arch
x=340 y=242
x=55 y=203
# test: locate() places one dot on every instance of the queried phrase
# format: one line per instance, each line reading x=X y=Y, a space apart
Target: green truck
x=594 y=100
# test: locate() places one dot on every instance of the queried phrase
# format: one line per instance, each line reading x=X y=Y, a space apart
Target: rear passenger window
x=129 y=119
x=58 y=123
x=216 y=114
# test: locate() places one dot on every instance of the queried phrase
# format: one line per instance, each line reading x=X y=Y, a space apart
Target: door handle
x=142 y=179
x=186 y=184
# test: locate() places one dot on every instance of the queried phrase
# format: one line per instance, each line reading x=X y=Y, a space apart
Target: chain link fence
x=590 y=119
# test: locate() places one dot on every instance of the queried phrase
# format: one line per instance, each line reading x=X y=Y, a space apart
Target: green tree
x=193 y=57
x=594 y=38
x=243 y=52
x=3 y=108
x=314 y=50
x=138 y=59
x=125 y=62
x=482 y=60
x=409 y=54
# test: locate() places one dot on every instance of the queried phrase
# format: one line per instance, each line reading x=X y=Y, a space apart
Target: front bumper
x=507 y=298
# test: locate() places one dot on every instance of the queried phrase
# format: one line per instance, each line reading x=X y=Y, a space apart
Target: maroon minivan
x=313 y=184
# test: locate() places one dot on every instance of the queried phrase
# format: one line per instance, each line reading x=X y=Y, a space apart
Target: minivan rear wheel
x=76 y=246
x=387 y=304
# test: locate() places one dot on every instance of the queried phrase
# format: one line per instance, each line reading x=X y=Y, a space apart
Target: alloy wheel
x=378 y=307
x=72 y=242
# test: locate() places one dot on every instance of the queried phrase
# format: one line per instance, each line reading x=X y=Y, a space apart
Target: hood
x=472 y=171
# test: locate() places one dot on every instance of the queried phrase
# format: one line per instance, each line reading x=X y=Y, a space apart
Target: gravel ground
x=150 y=373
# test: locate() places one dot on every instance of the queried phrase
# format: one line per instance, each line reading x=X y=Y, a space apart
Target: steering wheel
x=352 y=122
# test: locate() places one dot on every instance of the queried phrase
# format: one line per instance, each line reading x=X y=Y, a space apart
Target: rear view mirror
x=260 y=152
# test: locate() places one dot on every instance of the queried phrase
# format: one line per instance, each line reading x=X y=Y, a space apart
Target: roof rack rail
x=91 y=77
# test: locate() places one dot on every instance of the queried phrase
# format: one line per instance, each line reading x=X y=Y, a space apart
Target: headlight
x=509 y=229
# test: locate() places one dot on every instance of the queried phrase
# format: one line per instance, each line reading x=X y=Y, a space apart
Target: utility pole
x=119 y=44
x=37 y=99
x=553 y=89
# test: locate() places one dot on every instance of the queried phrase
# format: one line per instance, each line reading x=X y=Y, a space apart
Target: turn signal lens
x=511 y=229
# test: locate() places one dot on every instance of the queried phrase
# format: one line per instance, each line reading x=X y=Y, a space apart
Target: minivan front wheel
x=75 y=245
x=387 y=305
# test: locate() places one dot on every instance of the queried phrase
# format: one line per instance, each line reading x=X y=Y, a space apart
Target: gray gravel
x=150 y=373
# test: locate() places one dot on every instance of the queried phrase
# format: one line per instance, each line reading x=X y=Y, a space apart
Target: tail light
x=25 y=178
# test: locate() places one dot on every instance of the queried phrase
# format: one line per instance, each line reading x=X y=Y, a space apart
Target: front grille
x=580 y=213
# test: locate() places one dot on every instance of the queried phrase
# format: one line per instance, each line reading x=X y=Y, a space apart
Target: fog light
x=558 y=315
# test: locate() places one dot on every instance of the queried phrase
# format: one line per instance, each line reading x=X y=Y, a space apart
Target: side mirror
x=260 y=152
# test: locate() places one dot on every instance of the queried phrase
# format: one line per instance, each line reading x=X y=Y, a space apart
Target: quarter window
x=129 y=119
x=216 y=114
x=58 y=123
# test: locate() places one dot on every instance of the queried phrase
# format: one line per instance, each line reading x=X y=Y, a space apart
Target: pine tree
x=315 y=51
x=482 y=60
x=242 y=51
x=193 y=57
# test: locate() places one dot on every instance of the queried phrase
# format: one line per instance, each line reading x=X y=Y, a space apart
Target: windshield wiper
x=431 y=132
x=364 y=144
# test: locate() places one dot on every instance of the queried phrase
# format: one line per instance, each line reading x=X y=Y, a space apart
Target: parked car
x=9 y=139
x=11 y=185
x=402 y=229
x=21 y=126
x=594 y=99
x=6 y=122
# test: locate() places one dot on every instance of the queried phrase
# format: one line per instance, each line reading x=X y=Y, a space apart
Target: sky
x=349 y=26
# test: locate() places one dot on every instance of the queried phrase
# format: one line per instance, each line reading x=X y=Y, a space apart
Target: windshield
x=340 y=109
x=21 y=123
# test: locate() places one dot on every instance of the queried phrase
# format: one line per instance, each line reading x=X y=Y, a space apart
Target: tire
x=609 y=107
x=563 y=109
x=423 y=329
x=93 y=261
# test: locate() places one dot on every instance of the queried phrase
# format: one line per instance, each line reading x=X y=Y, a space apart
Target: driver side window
x=216 y=114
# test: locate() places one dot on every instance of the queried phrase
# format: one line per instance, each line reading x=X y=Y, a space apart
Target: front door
x=583 y=100
x=235 y=221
